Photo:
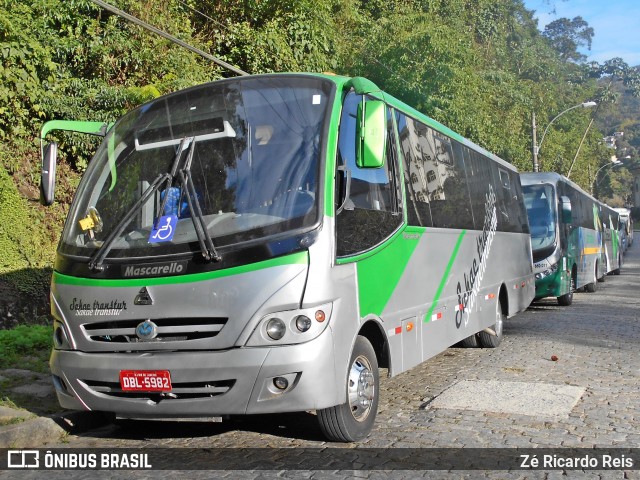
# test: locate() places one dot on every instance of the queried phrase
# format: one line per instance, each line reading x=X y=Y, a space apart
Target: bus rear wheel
x=488 y=340
x=353 y=420
x=470 y=342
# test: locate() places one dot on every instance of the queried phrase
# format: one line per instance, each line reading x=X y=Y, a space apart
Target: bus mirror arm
x=346 y=203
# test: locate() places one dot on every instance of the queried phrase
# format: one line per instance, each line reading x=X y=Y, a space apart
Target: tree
x=566 y=36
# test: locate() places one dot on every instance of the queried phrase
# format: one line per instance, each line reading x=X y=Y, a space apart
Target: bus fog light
x=276 y=328
x=281 y=383
x=60 y=338
x=303 y=323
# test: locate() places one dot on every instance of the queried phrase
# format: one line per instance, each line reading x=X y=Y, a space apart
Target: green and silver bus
x=573 y=245
x=265 y=243
x=611 y=251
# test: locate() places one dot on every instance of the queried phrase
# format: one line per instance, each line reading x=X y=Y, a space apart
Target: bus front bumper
x=207 y=383
x=553 y=285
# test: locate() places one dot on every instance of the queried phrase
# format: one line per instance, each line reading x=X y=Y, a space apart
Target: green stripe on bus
x=296 y=258
x=443 y=280
x=379 y=274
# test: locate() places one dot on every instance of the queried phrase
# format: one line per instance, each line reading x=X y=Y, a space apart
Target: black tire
x=492 y=341
x=353 y=420
x=567 y=299
x=592 y=287
x=470 y=342
x=617 y=270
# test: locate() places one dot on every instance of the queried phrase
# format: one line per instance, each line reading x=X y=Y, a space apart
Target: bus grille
x=178 y=390
x=168 y=330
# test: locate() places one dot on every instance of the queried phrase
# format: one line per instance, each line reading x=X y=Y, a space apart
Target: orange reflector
x=320 y=317
x=409 y=326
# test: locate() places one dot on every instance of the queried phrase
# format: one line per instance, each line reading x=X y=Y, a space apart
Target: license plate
x=145 y=380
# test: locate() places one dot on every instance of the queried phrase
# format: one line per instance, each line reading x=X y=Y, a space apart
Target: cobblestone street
x=596 y=344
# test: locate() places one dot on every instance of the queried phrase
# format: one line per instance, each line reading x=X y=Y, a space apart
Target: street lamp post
x=535 y=149
x=595 y=183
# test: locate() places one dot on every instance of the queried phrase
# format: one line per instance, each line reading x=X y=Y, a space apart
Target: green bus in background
x=265 y=243
x=571 y=237
x=612 y=246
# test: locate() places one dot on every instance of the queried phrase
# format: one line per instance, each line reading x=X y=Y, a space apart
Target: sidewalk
x=32 y=416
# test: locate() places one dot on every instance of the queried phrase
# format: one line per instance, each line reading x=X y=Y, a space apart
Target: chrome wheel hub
x=361 y=388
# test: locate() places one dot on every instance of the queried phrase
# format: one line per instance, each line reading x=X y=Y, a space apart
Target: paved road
x=596 y=344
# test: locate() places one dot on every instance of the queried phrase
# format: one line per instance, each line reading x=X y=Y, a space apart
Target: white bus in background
x=625 y=218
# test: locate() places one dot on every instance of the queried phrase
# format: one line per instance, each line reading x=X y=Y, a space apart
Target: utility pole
x=534 y=145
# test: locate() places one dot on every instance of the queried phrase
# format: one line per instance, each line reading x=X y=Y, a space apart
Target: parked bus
x=627 y=221
x=265 y=243
x=568 y=236
x=611 y=252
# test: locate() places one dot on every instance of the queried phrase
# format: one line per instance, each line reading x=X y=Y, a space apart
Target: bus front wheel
x=591 y=287
x=567 y=299
x=617 y=270
x=353 y=420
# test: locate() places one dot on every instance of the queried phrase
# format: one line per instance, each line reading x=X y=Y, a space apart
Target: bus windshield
x=540 y=202
x=249 y=147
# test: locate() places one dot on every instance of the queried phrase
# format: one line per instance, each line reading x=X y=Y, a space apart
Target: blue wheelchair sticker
x=164 y=230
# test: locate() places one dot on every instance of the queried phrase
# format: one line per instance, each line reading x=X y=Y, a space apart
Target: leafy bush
x=25 y=346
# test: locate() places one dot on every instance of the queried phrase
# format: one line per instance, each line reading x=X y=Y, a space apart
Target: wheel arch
x=373 y=332
x=503 y=298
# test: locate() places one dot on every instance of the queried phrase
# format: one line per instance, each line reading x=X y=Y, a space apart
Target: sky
x=616 y=25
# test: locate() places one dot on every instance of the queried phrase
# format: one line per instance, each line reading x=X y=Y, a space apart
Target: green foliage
x=23 y=240
x=273 y=35
x=566 y=36
x=25 y=346
x=481 y=67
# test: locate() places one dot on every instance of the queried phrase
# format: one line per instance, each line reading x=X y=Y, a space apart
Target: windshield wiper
x=207 y=247
x=96 y=260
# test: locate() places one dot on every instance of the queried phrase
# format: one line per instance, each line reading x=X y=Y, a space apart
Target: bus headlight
x=303 y=323
x=276 y=328
x=291 y=327
x=552 y=269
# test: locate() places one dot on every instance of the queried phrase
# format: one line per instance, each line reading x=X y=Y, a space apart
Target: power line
x=173 y=39
x=220 y=24
x=223 y=26
x=366 y=53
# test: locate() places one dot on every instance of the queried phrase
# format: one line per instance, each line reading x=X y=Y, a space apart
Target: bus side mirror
x=371 y=134
x=48 y=175
x=567 y=217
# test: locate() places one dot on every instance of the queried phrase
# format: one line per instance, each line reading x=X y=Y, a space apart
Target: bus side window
x=512 y=216
x=417 y=160
x=451 y=202
x=372 y=211
x=435 y=181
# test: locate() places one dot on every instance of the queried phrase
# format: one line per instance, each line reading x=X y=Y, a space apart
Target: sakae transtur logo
x=109 y=308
